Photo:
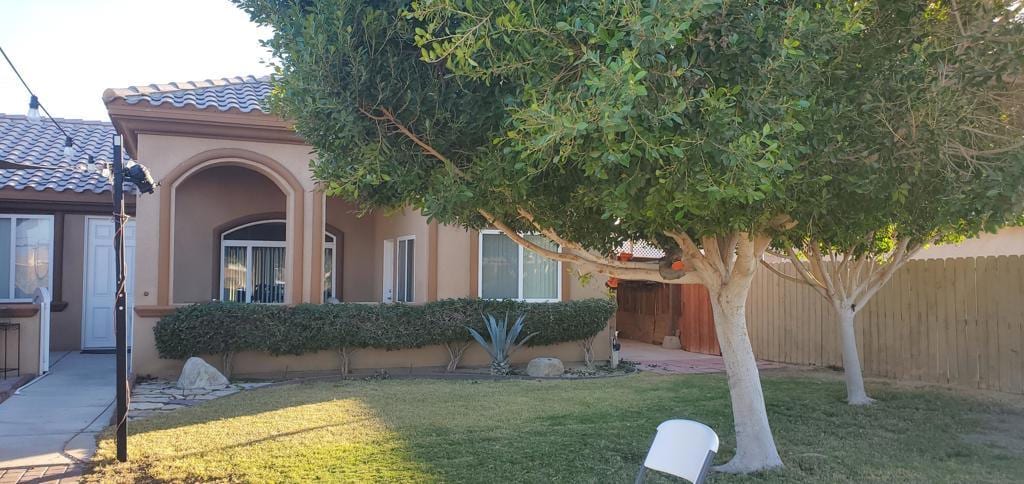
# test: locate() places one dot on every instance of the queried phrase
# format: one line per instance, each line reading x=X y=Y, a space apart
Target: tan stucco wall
x=28 y=361
x=252 y=364
x=1008 y=241
x=454 y=262
x=400 y=224
x=358 y=264
x=232 y=179
x=66 y=325
x=204 y=203
x=165 y=154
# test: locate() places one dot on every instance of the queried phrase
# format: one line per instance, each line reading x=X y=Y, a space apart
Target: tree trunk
x=755 y=446
x=855 y=393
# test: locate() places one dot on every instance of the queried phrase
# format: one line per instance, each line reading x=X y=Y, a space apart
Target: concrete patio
x=656 y=359
x=48 y=428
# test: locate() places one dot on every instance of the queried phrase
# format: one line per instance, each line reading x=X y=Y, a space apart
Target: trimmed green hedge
x=228 y=328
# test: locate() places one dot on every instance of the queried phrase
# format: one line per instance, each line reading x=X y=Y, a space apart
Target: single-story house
x=236 y=216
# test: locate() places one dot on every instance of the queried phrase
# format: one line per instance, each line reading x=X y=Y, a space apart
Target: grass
x=561 y=431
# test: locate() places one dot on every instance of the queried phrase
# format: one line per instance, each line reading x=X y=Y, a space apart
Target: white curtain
x=32 y=240
x=234 y=274
x=540 y=274
x=268 y=274
x=499 y=267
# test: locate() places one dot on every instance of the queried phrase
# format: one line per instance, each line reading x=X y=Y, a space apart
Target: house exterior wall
x=404 y=223
x=205 y=182
x=357 y=258
x=66 y=325
x=1008 y=241
x=208 y=203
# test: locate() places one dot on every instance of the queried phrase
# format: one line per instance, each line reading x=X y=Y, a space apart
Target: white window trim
x=249 y=244
x=411 y=268
x=480 y=269
x=14 y=231
x=333 y=245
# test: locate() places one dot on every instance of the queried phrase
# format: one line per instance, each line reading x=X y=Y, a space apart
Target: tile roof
x=42 y=144
x=245 y=94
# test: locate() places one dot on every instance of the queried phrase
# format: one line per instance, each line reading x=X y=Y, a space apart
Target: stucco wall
x=1008 y=241
x=454 y=262
x=28 y=361
x=204 y=203
x=66 y=325
x=403 y=223
x=358 y=266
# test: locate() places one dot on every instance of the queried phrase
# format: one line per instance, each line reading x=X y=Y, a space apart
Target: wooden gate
x=697 y=321
x=649 y=312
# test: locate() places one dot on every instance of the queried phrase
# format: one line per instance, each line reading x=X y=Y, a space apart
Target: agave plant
x=502 y=341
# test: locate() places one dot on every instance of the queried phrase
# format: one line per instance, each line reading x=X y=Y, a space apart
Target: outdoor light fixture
x=69 y=148
x=33 y=110
x=139 y=176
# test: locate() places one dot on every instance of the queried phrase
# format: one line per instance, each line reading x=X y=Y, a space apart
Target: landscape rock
x=199 y=375
x=545 y=367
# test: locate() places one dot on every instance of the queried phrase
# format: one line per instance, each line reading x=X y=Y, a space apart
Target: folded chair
x=682 y=448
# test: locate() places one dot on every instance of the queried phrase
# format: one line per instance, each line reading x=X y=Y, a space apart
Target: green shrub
x=217 y=328
x=227 y=328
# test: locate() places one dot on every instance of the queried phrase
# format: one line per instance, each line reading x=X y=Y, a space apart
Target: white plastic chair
x=682 y=448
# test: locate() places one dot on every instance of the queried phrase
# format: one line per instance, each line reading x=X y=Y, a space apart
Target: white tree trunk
x=855 y=393
x=755 y=446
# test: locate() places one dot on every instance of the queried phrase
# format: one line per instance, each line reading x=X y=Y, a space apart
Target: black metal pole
x=120 y=307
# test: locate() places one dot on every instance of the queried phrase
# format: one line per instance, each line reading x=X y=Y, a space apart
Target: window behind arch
x=253 y=263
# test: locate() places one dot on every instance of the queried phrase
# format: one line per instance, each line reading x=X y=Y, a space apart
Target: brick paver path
x=64 y=473
x=666 y=361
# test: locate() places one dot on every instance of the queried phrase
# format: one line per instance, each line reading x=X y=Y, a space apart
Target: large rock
x=545 y=367
x=199 y=375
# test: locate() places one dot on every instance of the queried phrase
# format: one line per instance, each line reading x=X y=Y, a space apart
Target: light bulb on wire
x=33 y=110
x=69 y=148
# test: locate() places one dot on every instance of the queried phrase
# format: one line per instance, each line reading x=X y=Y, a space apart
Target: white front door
x=100 y=279
x=388 y=285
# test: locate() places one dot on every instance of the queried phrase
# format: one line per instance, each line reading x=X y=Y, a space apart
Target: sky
x=69 y=51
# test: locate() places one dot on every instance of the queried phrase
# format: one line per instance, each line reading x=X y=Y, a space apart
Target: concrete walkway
x=52 y=423
x=660 y=360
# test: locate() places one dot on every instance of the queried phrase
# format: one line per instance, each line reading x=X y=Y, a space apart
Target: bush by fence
x=227 y=328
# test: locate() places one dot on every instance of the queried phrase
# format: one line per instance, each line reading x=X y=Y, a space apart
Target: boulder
x=545 y=367
x=199 y=375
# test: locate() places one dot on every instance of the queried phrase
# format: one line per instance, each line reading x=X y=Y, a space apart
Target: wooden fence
x=952 y=321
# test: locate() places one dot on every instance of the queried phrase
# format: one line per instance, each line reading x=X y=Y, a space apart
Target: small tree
x=929 y=147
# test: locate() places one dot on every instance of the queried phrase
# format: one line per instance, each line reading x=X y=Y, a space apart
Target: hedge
x=226 y=328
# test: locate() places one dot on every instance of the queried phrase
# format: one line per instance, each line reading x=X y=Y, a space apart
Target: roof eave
x=131 y=120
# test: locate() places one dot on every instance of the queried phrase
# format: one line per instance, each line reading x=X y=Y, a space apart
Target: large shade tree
x=691 y=124
x=927 y=146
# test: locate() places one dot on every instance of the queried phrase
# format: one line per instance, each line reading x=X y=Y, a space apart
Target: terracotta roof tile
x=42 y=144
x=245 y=94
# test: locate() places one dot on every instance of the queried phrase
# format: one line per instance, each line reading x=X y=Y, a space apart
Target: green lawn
x=562 y=431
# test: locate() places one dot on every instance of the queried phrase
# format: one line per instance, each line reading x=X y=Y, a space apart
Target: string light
x=69 y=148
x=33 y=110
x=34 y=105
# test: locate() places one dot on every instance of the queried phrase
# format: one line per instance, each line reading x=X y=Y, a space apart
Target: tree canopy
x=605 y=120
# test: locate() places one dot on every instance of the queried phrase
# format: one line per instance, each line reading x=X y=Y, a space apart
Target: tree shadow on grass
x=550 y=431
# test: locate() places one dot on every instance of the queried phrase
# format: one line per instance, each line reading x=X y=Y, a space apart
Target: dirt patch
x=1003 y=431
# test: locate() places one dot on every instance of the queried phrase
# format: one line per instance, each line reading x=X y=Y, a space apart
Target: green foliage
x=215 y=328
x=227 y=328
x=621 y=119
x=501 y=341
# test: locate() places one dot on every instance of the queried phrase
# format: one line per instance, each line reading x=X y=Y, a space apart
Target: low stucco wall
x=28 y=361
x=146 y=361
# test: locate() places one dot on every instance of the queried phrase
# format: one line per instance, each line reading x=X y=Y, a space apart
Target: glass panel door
x=267 y=274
